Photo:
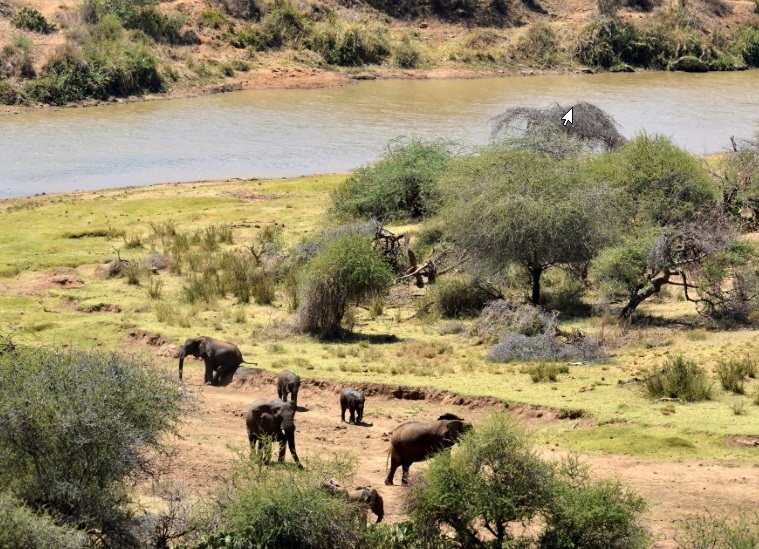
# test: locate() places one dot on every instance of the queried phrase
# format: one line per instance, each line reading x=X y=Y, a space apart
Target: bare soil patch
x=100 y=308
x=746 y=441
x=163 y=345
x=208 y=441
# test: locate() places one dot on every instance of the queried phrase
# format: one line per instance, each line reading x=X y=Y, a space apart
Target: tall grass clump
x=346 y=271
x=543 y=372
x=106 y=64
x=538 y=46
x=283 y=26
x=733 y=373
x=680 y=378
x=401 y=185
x=20 y=527
x=350 y=44
x=16 y=59
x=105 y=418
x=730 y=532
x=246 y=280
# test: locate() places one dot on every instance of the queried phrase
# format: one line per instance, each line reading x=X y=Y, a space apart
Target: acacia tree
x=507 y=206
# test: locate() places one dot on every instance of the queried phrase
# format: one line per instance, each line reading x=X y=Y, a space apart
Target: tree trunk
x=535 y=272
x=638 y=298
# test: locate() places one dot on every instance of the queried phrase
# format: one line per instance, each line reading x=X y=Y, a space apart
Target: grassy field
x=55 y=250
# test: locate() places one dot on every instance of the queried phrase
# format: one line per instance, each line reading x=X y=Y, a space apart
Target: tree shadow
x=346 y=336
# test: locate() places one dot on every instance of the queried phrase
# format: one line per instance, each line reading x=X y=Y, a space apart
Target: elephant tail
x=246 y=362
x=387 y=461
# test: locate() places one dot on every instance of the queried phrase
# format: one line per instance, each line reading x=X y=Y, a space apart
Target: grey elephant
x=221 y=358
x=269 y=420
x=364 y=496
x=353 y=401
x=288 y=382
x=416 y=441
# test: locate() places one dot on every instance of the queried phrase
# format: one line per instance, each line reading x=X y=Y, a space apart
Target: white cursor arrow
x=567 y=117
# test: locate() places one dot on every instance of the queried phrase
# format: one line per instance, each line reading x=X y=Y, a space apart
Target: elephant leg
x=353 y=415
x=222 y=372
x=209 y=372
x=295 y=397
x=342 y=413
x=394 y=463
x=282 y=444
x=404 y=476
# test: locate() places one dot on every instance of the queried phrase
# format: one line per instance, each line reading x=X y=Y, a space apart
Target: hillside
x=118 y=50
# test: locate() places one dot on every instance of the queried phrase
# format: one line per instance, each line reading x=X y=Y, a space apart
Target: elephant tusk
x=284 y=432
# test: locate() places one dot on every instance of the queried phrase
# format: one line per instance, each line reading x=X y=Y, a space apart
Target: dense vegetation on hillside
x=100 y=49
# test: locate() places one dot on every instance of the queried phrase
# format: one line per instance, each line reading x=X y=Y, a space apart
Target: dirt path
x=674 y=490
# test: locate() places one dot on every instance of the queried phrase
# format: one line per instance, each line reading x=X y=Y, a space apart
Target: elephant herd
x=269 y=420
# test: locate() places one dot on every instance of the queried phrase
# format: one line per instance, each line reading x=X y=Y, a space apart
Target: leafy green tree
x=347 y=269
x=661 y=184
x=507 y=207
x=493 y=479
x=401 y=185
x=592 y=514
x=75 y=426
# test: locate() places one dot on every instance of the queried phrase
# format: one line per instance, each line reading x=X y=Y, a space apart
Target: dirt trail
x=674 y=490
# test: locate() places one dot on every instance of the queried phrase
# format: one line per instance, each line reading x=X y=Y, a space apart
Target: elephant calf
x=288 y=382
x=353 y=401
x=221 y=358
x=416 y=441
x=269 y=420
x=364 y=496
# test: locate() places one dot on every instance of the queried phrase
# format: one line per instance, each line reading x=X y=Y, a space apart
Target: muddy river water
x=277 y=133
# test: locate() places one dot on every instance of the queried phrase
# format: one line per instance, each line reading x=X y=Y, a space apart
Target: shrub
x=21 y=528
x=607 y=42
x=592 y=515
x=680 y=378
x=402 y=184
x=454 y=297
x=749 y=41
x=133 y=273
x=269 y=508
x=494 y=478
x=104 y=419
x=346 y=270
x=715 y=531
x=502 y=316
x=31 y=20
x=544 y=348
x=351 y=44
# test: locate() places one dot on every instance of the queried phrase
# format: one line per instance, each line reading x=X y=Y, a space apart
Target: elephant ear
x=202 y=347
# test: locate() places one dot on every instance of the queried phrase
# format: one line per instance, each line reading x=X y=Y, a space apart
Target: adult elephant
x=269 y=420
x=221 y=358
x=416 y=441
x=364 y=496
x=288 y=382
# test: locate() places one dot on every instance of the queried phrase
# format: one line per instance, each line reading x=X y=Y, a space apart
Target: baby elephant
x=364 y=496
x=353 y=401
x=288 y=382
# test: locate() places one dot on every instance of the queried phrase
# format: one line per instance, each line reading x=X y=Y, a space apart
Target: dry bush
x=502 y=316
x=544 y=348
x=590 y=125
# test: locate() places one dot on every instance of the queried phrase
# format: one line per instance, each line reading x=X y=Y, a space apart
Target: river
x=282 y=133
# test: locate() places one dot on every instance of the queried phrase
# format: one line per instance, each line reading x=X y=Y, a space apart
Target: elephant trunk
x=181 y=363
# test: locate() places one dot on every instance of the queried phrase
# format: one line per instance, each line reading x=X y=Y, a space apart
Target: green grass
x=36 y=244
